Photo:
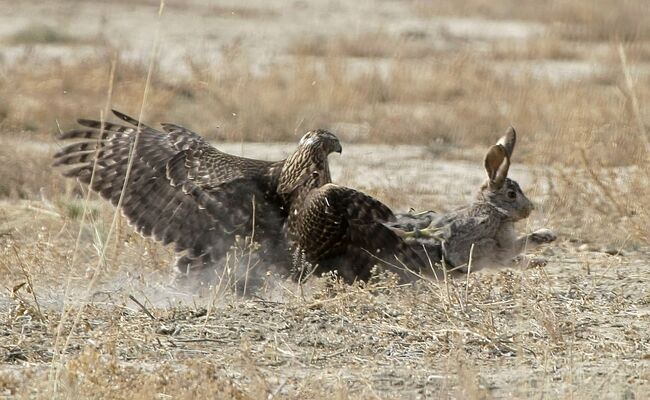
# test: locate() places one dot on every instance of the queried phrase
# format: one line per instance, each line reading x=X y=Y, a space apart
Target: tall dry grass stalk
x=640 y=181
x=57 y=365
x=611 y=201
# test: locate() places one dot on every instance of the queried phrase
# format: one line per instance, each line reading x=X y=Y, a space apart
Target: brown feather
x=338 y=228
x=184 y=191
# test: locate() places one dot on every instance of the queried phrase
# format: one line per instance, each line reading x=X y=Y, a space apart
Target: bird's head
x=308 y=165
x=320 y=141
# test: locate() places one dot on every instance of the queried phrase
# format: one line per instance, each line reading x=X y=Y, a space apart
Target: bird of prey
x=184 y=191
x=335 y=228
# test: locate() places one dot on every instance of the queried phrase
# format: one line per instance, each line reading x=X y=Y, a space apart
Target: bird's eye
x=512 y=194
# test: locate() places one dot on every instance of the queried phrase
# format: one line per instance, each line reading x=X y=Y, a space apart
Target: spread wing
x=180 y=189
x=341 y=228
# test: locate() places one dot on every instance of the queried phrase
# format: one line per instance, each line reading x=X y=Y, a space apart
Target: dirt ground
x=87 y=311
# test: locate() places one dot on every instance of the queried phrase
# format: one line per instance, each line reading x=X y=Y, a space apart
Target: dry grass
x=36 y=34
x=589 y=20
x=378 y=44
x=24 y=175
x=577 y=328
x=72 y=91
x=519 y=334
x=457 y=98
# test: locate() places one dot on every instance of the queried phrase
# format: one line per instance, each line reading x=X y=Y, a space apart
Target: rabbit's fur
x=487 y=223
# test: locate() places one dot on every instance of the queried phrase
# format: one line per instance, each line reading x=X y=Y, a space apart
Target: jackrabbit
x=487 y=223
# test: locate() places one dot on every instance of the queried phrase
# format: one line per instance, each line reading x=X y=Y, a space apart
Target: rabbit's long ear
x=508 y=141
x=494 y=160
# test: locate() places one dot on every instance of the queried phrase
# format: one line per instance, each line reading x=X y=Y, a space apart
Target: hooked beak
x=338 y=148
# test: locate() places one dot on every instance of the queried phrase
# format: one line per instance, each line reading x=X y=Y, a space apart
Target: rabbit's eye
x=512 y=194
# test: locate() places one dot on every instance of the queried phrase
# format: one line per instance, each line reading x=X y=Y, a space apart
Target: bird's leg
x=421 y=213
x=421 y=233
